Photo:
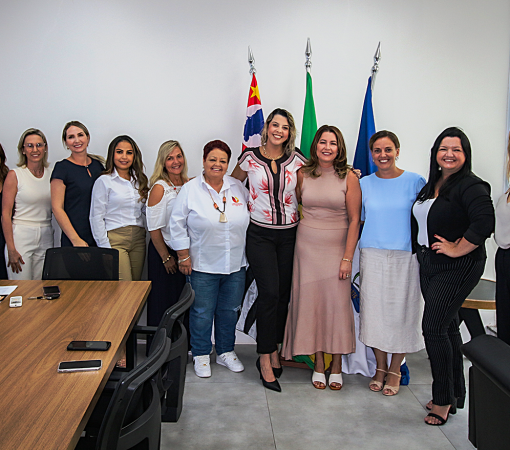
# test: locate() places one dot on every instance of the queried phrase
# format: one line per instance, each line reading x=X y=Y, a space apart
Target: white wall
x=163 y=69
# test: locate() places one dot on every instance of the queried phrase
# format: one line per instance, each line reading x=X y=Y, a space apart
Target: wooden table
x=482 y=296
x=41 y=408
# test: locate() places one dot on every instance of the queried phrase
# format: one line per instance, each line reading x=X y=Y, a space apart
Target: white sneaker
x=202 y=366
x=230 y=361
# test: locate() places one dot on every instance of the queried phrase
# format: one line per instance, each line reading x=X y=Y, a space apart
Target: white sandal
x=336 y=378
x=319 y=378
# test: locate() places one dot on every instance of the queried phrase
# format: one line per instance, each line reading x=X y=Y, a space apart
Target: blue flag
x=362 y=157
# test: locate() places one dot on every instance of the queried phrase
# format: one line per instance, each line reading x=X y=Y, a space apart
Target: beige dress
x=320 y=314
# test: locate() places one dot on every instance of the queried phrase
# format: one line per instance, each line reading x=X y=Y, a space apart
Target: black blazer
x=466 y=211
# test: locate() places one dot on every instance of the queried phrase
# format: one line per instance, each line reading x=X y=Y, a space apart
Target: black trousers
x=473 y=321
x=503 y=294
x=270 y=253
x=166 y=287
x=444 y=288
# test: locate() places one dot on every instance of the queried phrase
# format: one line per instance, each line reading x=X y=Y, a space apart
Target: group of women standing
x=417 y=236
x=78 y=191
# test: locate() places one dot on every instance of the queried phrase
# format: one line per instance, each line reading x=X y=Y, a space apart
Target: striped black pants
x=444 y=288
x=503 y=294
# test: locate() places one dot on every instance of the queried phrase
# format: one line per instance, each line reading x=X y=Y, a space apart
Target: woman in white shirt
x=118 y=201
x=502 y=237
x=26 y=209
x=208 y=230
x=170 y=173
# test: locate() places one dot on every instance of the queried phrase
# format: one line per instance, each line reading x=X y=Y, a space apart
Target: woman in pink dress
x=320 y=318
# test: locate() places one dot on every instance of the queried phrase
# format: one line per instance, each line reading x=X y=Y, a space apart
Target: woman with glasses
x=26 y=209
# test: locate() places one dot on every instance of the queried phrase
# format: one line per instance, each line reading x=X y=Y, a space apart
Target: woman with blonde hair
x=71 y=186
x=116 y=210
x=271 y=170
x=502 y=237
x=170 y=174
x=26 y=209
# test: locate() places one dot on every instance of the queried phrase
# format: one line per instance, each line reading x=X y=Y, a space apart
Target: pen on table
x=35 y=298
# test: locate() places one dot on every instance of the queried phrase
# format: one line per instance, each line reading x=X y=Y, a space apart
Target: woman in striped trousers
x=452 y=217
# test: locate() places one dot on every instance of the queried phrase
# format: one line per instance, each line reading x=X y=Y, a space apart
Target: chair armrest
x=142 y=329
x=492 y=357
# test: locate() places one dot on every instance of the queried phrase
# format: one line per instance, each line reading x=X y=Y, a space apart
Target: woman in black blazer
x=452 y=217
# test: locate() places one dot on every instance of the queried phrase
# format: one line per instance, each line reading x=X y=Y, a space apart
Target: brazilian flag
x=309 y=120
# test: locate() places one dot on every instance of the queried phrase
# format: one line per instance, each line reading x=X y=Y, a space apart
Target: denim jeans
x=218 y=298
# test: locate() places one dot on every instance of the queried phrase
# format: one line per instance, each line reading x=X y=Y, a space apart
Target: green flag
x=309 y=119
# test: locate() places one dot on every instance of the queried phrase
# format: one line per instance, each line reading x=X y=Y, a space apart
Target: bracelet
x=168 y=259
x=182 y=260
x=348 y=260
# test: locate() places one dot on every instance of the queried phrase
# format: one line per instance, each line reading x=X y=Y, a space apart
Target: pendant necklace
x=274 y=167
x=223 y=216
x=173 y=185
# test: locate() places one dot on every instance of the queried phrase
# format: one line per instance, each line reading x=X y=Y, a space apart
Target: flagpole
x=254 y=116
x=251 y=61
x=375 y=67
x=309 y=119
x=308 y=54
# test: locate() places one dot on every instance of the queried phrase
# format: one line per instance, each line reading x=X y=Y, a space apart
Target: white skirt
x=391 y=305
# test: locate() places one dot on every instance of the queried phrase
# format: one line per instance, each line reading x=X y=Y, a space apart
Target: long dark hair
x=312 y=169
x=428 y=190
x=136 y=169
x=3 y=167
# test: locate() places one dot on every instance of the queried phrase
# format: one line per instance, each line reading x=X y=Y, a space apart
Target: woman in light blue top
x=390 y=300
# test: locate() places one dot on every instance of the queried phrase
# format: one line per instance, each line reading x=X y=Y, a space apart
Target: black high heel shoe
x=277 y=371
x=454 y=406
x=272 y=385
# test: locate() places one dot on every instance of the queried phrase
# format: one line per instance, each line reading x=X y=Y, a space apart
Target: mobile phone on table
x=51 y=292
x=91 y=346
x=80 y=366
x=16 y=302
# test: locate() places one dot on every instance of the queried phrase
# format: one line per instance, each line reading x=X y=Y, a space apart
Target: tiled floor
x=234 y=411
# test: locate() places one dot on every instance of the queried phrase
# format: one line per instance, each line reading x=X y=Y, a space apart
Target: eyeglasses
x=38 y=145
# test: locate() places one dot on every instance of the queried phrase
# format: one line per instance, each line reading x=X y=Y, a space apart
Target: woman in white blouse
x=170 y=173
x=116 y=211
x=26 y=209
x=502 y=237
x=208 y=230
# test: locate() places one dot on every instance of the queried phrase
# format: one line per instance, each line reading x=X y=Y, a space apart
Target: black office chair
x=174 y=373
x=81 y=263
x=133 y=415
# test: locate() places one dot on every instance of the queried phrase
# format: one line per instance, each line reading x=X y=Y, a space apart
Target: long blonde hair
x=508 y=155
x=290 y=144
x=160 y=172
